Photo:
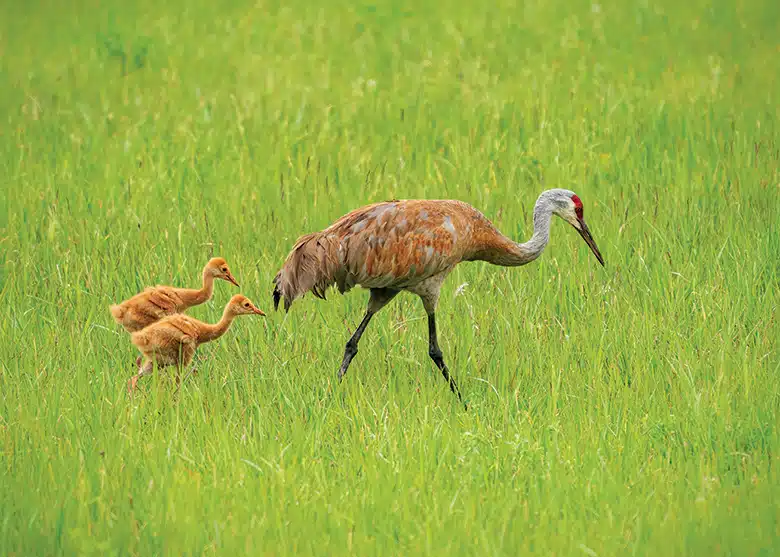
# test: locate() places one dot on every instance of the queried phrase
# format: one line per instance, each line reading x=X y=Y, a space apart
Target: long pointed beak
x=585 y=233
x=229 y=278
x=258 y=311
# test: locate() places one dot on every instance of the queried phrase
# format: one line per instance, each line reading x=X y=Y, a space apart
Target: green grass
x=631 y=410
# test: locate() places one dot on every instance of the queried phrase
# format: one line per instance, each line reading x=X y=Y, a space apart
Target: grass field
x=626 y=410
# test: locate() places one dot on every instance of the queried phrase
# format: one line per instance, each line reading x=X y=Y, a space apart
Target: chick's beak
x=258 y=311
x=585 y=233
x=229 y=278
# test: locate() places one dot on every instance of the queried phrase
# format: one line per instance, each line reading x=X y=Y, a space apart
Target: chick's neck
x=204 y=293
x=212 y=332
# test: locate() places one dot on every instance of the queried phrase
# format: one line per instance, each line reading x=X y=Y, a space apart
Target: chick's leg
x=145 y=369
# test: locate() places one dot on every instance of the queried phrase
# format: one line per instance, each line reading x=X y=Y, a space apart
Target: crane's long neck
x=212 y=332
x=200 y=295
x=511 y=254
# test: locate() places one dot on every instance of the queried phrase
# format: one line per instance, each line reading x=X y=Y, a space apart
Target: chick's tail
x=140 y=339
x=118 y=312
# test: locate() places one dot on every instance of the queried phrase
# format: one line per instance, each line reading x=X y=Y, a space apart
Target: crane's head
x=568 y=206
x=241 y=305
x=218 y=268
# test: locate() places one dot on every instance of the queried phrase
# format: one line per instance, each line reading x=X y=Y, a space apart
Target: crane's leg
x=379 y=299
x=428 y=291
x=145 y=369
x=435 y=353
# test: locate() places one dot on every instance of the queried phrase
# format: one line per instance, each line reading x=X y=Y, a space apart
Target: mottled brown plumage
x=157 y=302
x=412 y=245
x=172 y=341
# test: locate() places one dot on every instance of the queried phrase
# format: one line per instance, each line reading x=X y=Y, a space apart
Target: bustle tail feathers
x=312 y=265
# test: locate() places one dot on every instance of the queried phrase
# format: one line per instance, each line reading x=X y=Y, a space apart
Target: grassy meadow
x=626 y=410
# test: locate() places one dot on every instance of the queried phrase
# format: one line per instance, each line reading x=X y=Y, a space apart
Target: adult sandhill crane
x=413 y=245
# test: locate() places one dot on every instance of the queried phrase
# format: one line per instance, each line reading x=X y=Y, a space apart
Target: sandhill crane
x=413 y=245
x=157 y=302
x=172 y=341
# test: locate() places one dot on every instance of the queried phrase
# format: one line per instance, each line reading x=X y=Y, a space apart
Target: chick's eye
x=224 y=269
x=246 y=305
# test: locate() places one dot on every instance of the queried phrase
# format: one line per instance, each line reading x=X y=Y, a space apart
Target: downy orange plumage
x=157 y=302
x=172 y=341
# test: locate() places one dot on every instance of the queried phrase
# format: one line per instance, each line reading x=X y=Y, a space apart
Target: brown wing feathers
x=393 y=244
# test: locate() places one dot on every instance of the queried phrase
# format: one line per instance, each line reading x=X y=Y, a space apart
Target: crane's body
x=394 y=244
x=412 y=245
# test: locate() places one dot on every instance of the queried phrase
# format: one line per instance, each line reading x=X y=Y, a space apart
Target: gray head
x=567 y=205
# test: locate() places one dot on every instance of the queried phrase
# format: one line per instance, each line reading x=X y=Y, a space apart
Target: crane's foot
x=343 y=369
x=454 y=387
x=439 y=361
x=349 y=352
x=132 y=383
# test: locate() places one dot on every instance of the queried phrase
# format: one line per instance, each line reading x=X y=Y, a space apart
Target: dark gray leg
x=351 y=349
x=379 y=299
x=435 y=353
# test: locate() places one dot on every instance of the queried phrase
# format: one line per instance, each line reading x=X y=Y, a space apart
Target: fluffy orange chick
x=157 y=302
x=172 y=341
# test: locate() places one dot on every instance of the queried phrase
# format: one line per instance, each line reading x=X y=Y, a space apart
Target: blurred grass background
x=626 y=410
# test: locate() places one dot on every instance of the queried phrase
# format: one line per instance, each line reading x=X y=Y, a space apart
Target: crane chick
x=413 y=245
x=157 y=302
x=172 y=341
